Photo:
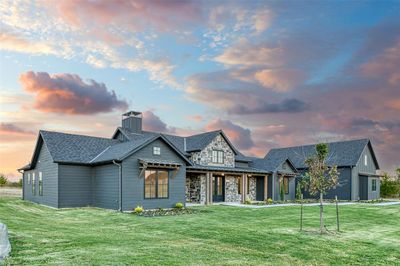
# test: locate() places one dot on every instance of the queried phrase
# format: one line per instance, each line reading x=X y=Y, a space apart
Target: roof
x=73 y=148
x=341 y=153
x=271 y=163
x=193 y=143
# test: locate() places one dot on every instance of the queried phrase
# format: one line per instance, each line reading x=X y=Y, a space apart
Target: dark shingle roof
x=342 y=153
x=72 y=148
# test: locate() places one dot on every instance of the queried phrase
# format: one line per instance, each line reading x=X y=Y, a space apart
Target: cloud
x=246 y=54
x=152 y=122
x=280 y=80
x=10 y=128
x=13 y=42
x=386 y=64
x=222 y=92
x=97 y=63
x=241 y=137
x=68 y=93
x=262 y=20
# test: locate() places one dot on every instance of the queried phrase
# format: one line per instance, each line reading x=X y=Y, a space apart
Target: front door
x=260 y=188
x=218 y=188
x=363 y=187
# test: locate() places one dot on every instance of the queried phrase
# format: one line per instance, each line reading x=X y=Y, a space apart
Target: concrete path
x=306 y=204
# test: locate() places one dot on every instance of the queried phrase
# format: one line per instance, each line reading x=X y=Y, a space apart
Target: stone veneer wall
x=204 y=157
x=196 y=189
x=252 y=189
x=231 y=189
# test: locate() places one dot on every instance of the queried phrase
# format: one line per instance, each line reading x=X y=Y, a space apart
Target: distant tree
x=320 y=177
x=3 y=180
x=398 y=173
x=390 y=185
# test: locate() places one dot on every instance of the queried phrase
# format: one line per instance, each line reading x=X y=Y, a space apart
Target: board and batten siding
x=49 y=171
x=133 y=185
x=105 y=186
x=75 y=186
x=370 y=168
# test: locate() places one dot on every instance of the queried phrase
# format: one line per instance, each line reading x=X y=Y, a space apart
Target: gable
x=369 y=155
x=287 y=167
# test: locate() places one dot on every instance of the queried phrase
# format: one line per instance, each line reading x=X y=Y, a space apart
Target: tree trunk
x=321 y=213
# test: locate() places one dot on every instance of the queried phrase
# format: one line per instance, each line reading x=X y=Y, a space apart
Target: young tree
x=320 y=177
x=3 y=180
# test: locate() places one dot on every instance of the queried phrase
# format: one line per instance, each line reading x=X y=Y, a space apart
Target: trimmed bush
x=179 y=205
x=269 y=201
x=138 y=209
x=247 y=201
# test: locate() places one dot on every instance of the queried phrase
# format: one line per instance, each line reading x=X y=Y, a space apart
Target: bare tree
x=320 y=177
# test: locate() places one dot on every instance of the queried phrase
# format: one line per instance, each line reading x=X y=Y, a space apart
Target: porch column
x=206 y=188
x=211 y=188
x=274 y=177
x=244 y=187
x=266 y=187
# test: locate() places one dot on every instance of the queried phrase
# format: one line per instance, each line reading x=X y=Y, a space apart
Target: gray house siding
x=75 y=185
x=50 y=180
x=105 y=186
x=133 y=185
x=369 y=168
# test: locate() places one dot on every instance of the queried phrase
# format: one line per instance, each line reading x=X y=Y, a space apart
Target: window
x=156 y=150
x=286 y=185
x=239 y=182
x=29 y=178
x=156 y=184
x=218 y=157
x=365 y=160
x=40 y=184
x=248 y=185
x=33 y=184
x=373 y=184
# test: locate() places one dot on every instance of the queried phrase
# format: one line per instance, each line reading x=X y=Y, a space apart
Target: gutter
x=23 y=183
x=120 y=185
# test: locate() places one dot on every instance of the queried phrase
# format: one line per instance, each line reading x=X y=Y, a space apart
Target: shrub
x=247 y=201
x=269 y=201
x=3 y=180
x=138 y=209
x=179 y=205
x=390 y=187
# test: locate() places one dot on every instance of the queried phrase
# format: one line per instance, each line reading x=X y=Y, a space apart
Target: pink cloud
x=152 y=122
x=280 y=80
x=241 y=137
x=68 y=93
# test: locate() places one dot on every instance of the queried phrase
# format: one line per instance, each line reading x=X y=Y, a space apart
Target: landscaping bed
x=166 y=212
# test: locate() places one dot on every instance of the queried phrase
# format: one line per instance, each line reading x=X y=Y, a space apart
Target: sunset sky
x=269 y=73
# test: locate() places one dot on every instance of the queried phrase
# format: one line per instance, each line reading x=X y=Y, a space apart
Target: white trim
x=100 y=154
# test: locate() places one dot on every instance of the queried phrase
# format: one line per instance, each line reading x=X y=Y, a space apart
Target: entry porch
x=207 y=186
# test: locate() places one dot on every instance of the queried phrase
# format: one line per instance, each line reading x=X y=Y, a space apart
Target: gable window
x=373 y=184
x=40 y=184
x=33 y=184
x=286 y=185
x=156 y=184
x=29 y=178
x=156 y=150
x=239 y=182
x=365 y=160
x=217 y=156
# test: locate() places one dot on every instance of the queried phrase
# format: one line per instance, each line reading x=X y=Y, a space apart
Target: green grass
x=220 y=235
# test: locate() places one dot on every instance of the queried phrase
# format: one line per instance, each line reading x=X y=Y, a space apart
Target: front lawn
x=218 y=235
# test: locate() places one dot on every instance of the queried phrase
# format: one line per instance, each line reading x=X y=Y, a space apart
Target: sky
x=269 y=73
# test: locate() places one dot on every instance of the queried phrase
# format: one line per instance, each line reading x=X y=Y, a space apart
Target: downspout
x=351 y=183
x=23 y=183
x=120 y=184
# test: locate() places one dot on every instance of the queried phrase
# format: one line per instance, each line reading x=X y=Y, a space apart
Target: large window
x=40 y=184
x=33 y=184
x=239 y=182
x=373 y=184
x=286 y=185
x=218 y=157
x=156 y=184
x=248 y=185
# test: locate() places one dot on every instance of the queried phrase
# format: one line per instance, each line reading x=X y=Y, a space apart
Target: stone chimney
x=132 y=121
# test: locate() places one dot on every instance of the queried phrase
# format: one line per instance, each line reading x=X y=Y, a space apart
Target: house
x=356 y=162
x=137 y=167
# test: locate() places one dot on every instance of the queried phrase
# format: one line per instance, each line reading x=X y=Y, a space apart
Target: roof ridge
x=80 y=135
x=313 y=144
